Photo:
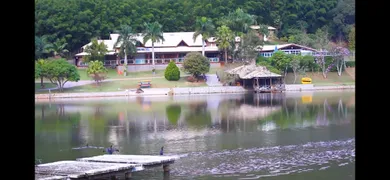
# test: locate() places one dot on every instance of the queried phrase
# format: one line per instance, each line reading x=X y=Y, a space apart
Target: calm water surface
x=302 y=135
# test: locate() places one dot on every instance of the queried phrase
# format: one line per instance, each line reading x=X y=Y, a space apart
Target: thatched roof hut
x=252 y=71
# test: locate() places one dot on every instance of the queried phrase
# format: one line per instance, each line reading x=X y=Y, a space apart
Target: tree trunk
x=153 y=54
x=125 y=64
x=285 y=72
x=225 y=56
x=323 y=67
x=295 y=76
x=60 y=86
x=42 y=85
x=202 y=47
x=242 y=45
x=339 y=68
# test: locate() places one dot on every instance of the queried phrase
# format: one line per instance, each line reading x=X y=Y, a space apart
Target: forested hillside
x=75 y=22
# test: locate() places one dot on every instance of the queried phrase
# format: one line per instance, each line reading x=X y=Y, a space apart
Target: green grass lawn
x=47 y=85
x=317 y=79
x=112 y=74
x=110 y=86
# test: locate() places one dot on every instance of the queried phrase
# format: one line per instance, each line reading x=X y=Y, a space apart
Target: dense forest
x=75 y=22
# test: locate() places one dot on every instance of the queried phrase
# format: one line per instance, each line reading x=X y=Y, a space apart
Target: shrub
x=97 y=71
x=350 y=63
x=172 y=72
x=196 y=64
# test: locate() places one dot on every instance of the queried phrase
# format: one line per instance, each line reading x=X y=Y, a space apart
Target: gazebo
x=261 y=79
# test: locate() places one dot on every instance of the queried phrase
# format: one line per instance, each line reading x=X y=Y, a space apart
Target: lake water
x=293 y=135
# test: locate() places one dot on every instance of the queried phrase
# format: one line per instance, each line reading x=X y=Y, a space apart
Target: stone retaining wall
x=182 y=91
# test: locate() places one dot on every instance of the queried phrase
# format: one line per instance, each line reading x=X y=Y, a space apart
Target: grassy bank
x=318 y=80
x=110 y=86
x=112 y=74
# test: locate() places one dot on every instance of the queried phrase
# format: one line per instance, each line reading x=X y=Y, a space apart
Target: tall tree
x=127 y=43
x=249 y=51
x=322 y=43
x=204 y=27
x=96 y=51
x=224 y=38
x=153 y=32
x=295 y=64
x=239 y=22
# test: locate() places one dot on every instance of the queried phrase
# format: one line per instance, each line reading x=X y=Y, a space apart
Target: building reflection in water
x=144 y=124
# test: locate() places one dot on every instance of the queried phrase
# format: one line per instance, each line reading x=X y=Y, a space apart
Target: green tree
x=351 y=39
x=58 y=49
x=204 y=27
x=42 y=47
x=173 y=113
x=96 y=51
x=281 y=61
x=127 y=43
x=39 y=71
x=97 y=71
x=343 y=16
x=295 y=65
x=59 y=72
x=224 y=38
x=196 y=64
x=172 y=72
x=308 y=62
x=249 y=51
x=153 y=32
x=91 y=18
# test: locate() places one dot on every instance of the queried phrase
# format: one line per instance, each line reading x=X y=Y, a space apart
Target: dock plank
x=79 y=169
x=132 y=159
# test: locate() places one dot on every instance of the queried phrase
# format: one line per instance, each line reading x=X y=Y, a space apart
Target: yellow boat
x=306 y=80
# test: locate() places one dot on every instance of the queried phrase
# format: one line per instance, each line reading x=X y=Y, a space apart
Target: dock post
x=166 y=170
x=166 y=167
x=128 y=175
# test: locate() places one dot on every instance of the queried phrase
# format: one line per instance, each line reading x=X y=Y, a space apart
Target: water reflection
x=187 y=125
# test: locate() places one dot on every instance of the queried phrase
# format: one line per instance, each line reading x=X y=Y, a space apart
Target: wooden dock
x=101 y=167
x=84 y=170
x=144 y=160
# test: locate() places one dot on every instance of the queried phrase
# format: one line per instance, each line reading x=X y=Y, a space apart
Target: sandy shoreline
x=183 y=91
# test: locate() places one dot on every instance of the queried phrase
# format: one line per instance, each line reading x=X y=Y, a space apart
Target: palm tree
x=96 y=51
x=58 y=49
x=205 y=28
x=127 y=43
x=240 y=22
x=153 y=31
x=224 y=37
